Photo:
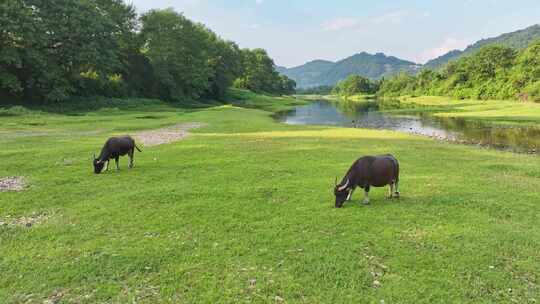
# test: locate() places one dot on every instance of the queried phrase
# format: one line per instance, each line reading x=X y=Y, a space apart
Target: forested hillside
x=310 y=74
x=517 y=40
x=57 y=50
x=326 y=73
x=494 y=72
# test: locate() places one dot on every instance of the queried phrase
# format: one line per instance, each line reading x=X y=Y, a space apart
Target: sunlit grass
x=242 y=211
x=499 y=111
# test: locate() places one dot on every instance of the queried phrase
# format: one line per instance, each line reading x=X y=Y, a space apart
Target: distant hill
x=327 y=73
x=518 y=40
x=309 y=74
x=322 y=72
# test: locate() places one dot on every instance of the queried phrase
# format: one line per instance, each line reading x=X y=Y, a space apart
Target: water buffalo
x=114 y=148
x=376 y=171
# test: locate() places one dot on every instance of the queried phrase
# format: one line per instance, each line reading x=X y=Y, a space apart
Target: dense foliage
x=56 y=49
x=259 y=74
x=494 y=72
x=355 y=85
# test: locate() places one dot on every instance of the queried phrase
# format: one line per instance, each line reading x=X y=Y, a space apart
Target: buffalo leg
x=390 y=190
x=396 y=189
x=107 y=168
x=130 y=155
x=366 y=195
x=116 y=160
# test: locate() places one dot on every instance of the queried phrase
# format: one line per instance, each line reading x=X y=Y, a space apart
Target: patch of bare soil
x=12 y=183
x=166 y=135
x=25 y=221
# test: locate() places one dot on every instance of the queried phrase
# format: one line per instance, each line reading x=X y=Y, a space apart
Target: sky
x=297 y=31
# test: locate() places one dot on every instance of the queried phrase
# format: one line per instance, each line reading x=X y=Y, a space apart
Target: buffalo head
x=98 y=165
x=342 y=193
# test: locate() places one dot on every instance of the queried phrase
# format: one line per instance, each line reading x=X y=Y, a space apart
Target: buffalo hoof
x=396 y=195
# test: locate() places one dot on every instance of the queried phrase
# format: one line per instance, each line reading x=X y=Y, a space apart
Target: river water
x=368 y=115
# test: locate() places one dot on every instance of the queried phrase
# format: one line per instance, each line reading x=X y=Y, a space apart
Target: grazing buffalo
x=376 y=171
x=114 y=148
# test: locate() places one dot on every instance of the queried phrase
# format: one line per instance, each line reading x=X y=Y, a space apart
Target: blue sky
x=296 y=31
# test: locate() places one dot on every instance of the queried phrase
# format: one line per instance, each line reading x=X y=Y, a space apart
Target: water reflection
x=368 y=115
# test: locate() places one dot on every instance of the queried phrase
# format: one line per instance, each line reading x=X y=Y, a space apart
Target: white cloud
x=259 y=1
x=340 y=24
x=449 y=44
x=392 y=17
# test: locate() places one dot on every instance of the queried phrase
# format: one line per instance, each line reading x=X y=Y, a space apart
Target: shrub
x=14 y=111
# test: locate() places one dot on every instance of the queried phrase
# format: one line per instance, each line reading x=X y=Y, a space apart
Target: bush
x=533 y=91
x=14 y=111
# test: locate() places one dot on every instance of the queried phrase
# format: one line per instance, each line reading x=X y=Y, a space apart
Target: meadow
x=242 y=211
x=508 y=112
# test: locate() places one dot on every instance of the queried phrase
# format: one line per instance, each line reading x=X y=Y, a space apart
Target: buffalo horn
x=344 y=186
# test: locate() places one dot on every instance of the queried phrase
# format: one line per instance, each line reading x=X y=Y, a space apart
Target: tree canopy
x=57 y=49
x=494 y=72
x=355 y=85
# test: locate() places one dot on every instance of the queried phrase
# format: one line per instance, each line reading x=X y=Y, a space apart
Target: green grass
x=247 y=99
x=242 y=211
x=497 y=111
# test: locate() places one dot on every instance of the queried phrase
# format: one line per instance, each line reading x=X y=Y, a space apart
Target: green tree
x=47 y=45
x=258 y=71
x=354 y=85
x=178 y=51
x=225 y=62
x=287 y=85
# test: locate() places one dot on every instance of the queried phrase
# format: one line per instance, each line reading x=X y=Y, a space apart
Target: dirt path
x=166 y=135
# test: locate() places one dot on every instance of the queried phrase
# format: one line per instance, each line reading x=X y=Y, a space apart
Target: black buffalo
x=368 y=171
x=114 y=148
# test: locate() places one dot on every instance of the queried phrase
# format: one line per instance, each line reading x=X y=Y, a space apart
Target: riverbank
x=242 y=210
x=506 y=112
x=354 y=98
x=494 y=111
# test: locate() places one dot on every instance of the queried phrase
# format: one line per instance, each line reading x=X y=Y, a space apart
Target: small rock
x=279 y=299
x=376 y=284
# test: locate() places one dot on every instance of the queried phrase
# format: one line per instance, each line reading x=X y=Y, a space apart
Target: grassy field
x=242 y=211
x=497 y=111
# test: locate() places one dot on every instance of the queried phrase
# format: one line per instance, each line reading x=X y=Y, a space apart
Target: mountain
x=310 y=74
x=322 y=72
x=518 y=40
